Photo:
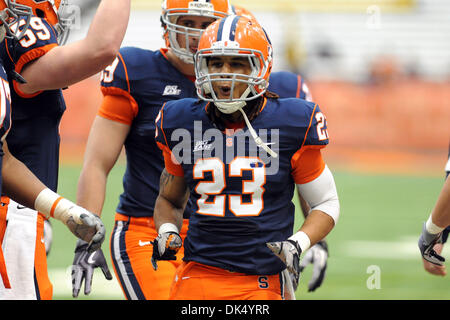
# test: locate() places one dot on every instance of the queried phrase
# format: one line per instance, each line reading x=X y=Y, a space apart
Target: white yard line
x=404 y=249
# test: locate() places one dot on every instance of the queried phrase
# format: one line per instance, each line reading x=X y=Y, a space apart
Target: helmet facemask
x=256 y=84
x=170 y=19
x=65 y=21
x=10 y=19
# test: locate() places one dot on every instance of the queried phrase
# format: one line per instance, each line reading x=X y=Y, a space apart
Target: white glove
x=317 y=255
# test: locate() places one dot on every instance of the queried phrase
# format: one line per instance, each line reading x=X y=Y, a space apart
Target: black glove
x=83 y=267
x=165 y=247
x=317 y=255
x=426 y=244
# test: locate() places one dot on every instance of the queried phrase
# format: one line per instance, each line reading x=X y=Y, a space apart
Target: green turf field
x=373 y=249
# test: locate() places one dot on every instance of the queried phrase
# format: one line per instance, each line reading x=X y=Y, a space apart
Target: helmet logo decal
x=201 y=5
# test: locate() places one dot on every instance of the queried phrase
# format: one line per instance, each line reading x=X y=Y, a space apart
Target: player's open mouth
x=224 y=92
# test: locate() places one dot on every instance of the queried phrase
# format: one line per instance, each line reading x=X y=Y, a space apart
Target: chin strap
x=231 y=107
x=257 y=139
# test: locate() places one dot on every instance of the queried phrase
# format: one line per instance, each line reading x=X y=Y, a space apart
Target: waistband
x=143 y=221
x=6 y=201
x=147 y=221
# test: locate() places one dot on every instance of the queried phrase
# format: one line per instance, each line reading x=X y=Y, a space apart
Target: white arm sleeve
x=321 y=194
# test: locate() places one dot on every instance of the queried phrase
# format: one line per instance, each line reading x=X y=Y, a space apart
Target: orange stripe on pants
x=3 y=211
x=132 y=264
x=44 y=286
x=195 y=281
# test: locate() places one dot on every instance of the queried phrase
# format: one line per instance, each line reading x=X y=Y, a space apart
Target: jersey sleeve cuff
x=24 y=60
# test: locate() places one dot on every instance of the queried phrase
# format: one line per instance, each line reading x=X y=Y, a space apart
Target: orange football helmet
x=234 y=36
x=52 y=11
x=173 y=9
x=10 y=11
x=241 y=11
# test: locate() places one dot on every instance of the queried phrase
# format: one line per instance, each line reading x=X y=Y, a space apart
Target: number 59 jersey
x=242 y=196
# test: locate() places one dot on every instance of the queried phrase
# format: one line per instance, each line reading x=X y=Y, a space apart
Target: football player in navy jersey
x=238 y=153
x=135 y=86
x=290 y=85
x=46 y=67
x=17 y=236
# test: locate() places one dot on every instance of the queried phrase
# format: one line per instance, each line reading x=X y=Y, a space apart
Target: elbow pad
x=321 y=194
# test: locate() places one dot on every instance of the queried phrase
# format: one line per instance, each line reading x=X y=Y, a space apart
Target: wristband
x=168 y=227
x=51 y=204
x=302 y=239
x=431 y=227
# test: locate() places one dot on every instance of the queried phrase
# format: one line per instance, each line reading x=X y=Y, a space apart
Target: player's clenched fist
x=82 y=223
x=165 y=247
x=426 y=244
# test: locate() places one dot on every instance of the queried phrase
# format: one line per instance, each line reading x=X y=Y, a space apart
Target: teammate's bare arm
x=171 y=201
x=103 y=148
x=68 y=64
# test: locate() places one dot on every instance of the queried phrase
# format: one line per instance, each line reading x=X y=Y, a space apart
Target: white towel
x=18 y=246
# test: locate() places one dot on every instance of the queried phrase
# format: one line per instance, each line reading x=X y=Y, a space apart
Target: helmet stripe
x=233 y=28
x=227 y=28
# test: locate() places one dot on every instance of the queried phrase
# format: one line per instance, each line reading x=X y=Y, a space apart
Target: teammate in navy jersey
x=39 y=105
x=135 y=86
x=239 y=154
x=19 y=183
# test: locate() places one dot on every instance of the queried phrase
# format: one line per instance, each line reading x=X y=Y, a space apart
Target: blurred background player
x=242 y=215
x=135 y=87
x=38 y=103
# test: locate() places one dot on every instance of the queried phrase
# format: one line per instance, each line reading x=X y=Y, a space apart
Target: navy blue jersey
x=5 y=111
x=148 y=79
x=34 y=138
x=289 y=85
x=242 y=197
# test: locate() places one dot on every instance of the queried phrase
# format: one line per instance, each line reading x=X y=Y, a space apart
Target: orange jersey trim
x=126 y=72
x=162 y=123
x=299 y=86
x=307 y=164
x=118 y=107
x=27 y=58
x=172 y=165
x=264 y=104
